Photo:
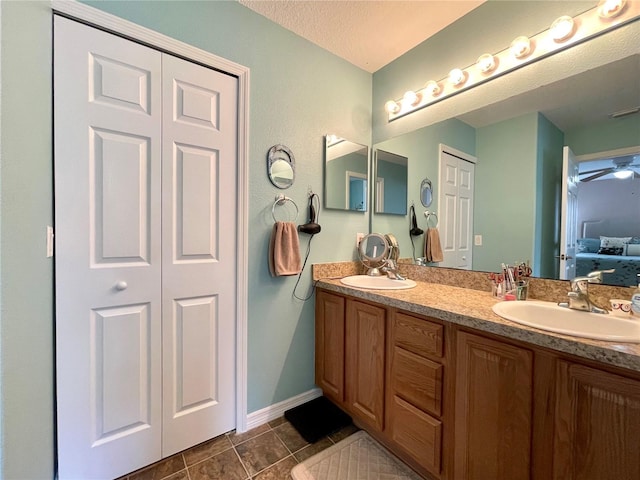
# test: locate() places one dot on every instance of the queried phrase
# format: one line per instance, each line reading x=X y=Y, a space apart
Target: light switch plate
x=477 y=240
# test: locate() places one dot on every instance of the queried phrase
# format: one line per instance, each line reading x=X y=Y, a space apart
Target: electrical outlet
x=477 y=240
x=359 y=237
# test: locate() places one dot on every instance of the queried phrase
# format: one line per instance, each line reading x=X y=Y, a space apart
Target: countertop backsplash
x=539 y=288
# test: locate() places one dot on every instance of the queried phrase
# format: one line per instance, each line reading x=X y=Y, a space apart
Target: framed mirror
x=281 y=166
x=519 y=145
x=426 y=192
x=346 y=174
x=390 y=192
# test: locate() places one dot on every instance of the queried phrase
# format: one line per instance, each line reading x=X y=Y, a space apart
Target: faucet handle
x=596 y=276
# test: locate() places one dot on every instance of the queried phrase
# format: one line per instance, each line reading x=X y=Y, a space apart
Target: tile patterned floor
x=268 y=452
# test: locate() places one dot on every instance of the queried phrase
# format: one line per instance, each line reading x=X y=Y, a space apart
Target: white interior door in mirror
x=455 y=205
x=569 y=227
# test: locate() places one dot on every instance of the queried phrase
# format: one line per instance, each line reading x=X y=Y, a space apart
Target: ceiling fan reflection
x=621 y=168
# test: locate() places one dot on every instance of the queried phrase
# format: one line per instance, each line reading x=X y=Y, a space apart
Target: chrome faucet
x=391 y=269
x=579 y=294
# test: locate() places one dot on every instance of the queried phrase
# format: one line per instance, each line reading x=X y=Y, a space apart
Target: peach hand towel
x=432 y=247
x=284 y=250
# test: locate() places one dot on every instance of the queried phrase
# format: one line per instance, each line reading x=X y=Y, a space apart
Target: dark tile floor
x=268 y=452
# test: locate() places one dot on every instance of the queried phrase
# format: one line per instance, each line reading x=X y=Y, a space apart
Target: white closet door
x=199 y=253
x=108 y=272
x=455 y=205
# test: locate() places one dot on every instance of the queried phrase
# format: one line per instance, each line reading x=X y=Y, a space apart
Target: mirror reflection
x=281 y=166
x=346 y=174
x=390 y=193
x=519 y=145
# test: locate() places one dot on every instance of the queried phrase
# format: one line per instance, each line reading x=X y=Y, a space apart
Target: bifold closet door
x=145 y=187
x=107 y=104
x=199 y=253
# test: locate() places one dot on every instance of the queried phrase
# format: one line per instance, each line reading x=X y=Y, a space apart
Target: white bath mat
x=357 y=457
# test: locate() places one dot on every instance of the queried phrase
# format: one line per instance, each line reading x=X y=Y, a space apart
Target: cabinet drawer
x=417 y=380
x=418 y=335
x=417 y=433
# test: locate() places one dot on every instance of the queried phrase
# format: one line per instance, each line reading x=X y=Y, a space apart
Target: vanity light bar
x=562 y=34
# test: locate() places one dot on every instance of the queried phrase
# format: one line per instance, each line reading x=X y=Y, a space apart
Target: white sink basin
x=377 y=283
x=550 y=316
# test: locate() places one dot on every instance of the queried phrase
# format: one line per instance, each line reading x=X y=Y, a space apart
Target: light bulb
x=392 y=106
x=521 y=47
x=610 y=8
x=411 y=98
x=562 y=28
x=457 y=77
x=433 y=88
x=486 y=63
x=623 y=173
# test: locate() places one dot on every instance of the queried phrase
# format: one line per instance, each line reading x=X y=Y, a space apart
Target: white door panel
x=199 y=254
x=455 y=205
x=569 y=226
x=107 y=190
x=145 y=186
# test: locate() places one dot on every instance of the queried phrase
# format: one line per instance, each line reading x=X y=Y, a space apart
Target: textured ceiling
x=369 y=34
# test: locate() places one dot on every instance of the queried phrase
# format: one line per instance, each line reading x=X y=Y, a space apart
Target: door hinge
x=50 y=236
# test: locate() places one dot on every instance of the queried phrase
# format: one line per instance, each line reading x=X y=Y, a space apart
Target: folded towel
x=432 y=248
x=284 y=250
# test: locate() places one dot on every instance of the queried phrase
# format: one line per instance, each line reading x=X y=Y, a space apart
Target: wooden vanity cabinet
x=597 y=424
x=415 y=390
x=329 y=356
x=460 y=404
x=350 y=356
x=493 y=409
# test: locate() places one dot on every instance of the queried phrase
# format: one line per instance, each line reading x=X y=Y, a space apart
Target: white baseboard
x=272 y=412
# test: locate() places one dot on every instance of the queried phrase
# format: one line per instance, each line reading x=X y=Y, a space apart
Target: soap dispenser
x=635 y=299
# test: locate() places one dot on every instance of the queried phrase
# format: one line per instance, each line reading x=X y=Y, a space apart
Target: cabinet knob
x=121 y=285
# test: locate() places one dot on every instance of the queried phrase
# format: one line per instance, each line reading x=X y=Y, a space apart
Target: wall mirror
x=390 y=191
x=281 y=166
x=519 y=145
x=346 y=174
x=426 y=192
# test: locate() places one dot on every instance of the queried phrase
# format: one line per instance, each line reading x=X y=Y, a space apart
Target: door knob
x=121 y=285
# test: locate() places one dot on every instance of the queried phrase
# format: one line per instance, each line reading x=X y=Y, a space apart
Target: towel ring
x=281 y=200
x=428 y=215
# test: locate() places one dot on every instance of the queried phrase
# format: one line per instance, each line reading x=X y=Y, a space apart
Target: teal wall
x=298 y=93
x=504 y=210
x=550 y=141
x=336 y=171
x=609 y=134
x=395 y=185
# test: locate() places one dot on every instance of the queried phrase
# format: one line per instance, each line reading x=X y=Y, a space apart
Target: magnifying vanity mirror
x=281 y=166
x=390 y=193
x=346 y=170
x=426 y=193
x=373 y=252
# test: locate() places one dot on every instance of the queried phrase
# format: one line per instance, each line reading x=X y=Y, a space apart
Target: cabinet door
x=493 y=410
x=330 y=345
x=365 y=357
x=597 y=428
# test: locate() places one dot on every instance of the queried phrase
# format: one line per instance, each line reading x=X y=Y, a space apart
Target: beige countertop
x=472 y=308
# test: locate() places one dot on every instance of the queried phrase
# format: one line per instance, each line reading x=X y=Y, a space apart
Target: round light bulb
x=562 y=28
x=457 y=77
x=521 y=47
x=623 y=173
x=433 y=88
x=392 y=106
x=486 y=63
x=610 y=8
x=411 y=98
